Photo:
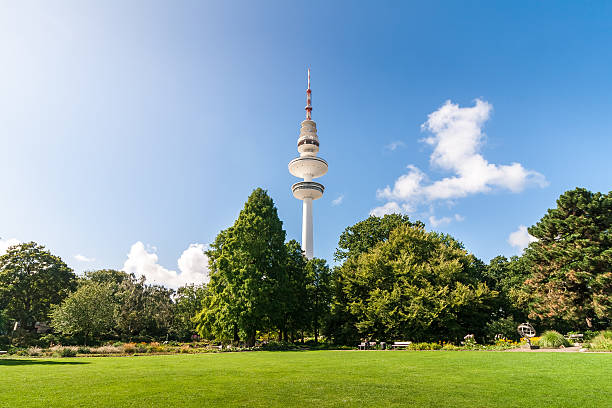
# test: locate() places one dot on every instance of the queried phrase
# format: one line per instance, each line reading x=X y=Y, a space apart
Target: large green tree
x=290 y=310
x=318 y=294
x=144 y=311
x=89 y=312
x=246 y=264
x=31 y=281
x=355 y=240
x=365 y=234
x=188 y=301
x=571 y=262
x=416 y=286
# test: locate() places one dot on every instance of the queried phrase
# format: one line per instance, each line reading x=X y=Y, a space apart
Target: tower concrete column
x=308 y=167
x=307 y=241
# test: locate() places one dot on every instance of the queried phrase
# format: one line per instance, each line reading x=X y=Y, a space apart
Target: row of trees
x=37 y=288
x=394 y=280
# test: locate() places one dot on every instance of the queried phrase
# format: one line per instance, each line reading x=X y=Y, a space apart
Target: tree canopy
x=364 y=235
x=88 y=312
x=416 y=285
x=246 y=263
x=571 y=261
x=31 y=281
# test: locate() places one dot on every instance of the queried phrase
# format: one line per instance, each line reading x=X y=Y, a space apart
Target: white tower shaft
x=307 y=241
x=308 y=167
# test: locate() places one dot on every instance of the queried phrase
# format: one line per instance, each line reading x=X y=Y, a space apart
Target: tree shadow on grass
x=19 y=361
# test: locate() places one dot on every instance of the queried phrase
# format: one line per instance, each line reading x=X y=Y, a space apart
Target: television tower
x=308 y=166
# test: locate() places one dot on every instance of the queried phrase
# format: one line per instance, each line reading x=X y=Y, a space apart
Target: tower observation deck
x=308 y=167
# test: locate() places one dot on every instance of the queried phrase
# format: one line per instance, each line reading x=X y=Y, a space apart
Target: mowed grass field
x=312 y=379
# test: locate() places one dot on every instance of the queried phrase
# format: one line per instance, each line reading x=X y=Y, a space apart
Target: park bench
x=3 y=352
x=399 y=344
x=575 y=337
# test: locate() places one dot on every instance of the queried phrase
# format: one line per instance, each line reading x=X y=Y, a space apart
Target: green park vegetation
x=393 y=281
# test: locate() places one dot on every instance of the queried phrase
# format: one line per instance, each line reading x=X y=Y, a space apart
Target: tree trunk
x=236 y=339
x=251 y=339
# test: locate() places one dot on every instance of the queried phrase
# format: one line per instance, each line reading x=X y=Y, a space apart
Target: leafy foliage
x=571 y=262
x=318 y=294
x=31 y=281
x=246 y=263
x=188 y=302
x=364 y=235
x=552 y=339
x=88 y=312
x=417 y=285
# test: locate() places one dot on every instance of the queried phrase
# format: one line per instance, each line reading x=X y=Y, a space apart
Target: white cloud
x=394 y=145
x=391 y=208
x=193 y=266
x=520 y=238
x=83 y=258
x=338 y=200
x=435 y=222
x=457 y=137
x=5 y=243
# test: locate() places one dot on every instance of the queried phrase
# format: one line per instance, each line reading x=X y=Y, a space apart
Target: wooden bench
x=399 y=344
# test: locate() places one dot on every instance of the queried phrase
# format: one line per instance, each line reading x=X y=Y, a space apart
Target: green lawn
x=312 y=379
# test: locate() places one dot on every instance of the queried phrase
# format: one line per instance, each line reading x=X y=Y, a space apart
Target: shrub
x=106 y=350
x=129 y=348
x=60 y=351
x=505 y=326
x=278 y=346
x=470 y=341
x=450 y=346
x=34 y=351
x=142 y=348
x=602 y=342
x=84 y=350
x=155 y=347
x=552 y=339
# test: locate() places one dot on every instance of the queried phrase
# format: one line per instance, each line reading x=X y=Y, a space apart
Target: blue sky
x=133 y=132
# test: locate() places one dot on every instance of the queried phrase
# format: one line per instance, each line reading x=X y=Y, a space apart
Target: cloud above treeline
x=192 y=266
x=6 y=243
x=521 y=238
x=456 y=136
x=83 y=258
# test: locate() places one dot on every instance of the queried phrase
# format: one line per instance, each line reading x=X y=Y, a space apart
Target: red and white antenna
x=308 y=99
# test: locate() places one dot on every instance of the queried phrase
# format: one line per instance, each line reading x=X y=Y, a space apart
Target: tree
x=571 y=262
x=145 y=311
x=416 y=285
x=88 y=312
x=246 y=261
x=355 y=240
x=318 y=294
x=290 y=312
x=364 y=235
x=31 y=281
x=188 y=302
x=507 y=277
x=110 y=276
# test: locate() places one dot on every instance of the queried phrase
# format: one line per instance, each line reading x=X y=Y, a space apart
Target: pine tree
x=571 y=278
